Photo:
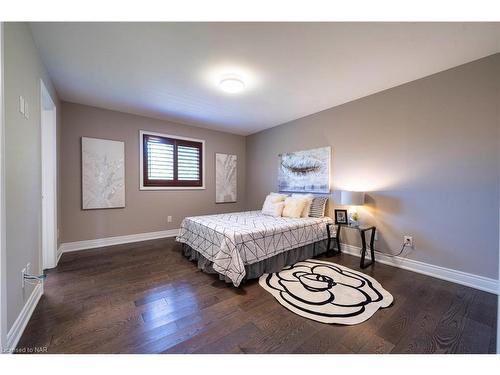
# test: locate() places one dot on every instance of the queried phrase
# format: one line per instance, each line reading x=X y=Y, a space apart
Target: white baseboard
x=109 y=241
x=15 y=333
x=468 y=279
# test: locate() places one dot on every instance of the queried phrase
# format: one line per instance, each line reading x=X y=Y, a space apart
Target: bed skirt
x=274 y=264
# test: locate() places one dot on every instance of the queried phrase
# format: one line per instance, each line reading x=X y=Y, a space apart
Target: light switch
x=21 y=105
x=26 y=110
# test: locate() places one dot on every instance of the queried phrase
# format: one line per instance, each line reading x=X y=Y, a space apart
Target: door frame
x=48 y=139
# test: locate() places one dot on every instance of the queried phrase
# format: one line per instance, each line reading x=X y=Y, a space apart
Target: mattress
x=234 y=240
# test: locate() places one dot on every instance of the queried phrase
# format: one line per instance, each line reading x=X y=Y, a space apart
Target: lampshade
x=352 y=198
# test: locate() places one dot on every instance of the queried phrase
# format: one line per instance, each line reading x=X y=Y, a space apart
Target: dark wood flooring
x=147 y=298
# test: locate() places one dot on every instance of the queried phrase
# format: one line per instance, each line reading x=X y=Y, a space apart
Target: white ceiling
x=170 y=70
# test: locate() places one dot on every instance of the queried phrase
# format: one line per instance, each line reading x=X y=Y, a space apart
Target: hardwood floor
x=147 y=298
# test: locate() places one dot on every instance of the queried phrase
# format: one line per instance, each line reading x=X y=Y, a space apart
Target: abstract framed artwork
x=225 y=178
x=305 y=171
x=103 y=173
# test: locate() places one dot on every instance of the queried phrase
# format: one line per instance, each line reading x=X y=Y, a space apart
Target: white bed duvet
x=231 y=241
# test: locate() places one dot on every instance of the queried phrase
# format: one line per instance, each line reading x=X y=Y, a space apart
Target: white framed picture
x=305 y=171
x=225 y=178
x=103 y=173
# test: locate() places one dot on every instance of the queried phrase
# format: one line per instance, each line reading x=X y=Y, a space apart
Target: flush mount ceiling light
x=232 y=84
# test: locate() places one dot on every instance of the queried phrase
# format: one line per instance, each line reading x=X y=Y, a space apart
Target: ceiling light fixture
x=231 y=84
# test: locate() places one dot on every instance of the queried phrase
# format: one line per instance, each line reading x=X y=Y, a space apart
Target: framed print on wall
x=103 y=173
x=225 y=178
x=305 y=171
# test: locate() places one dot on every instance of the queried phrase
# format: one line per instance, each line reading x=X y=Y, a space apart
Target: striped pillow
x=318 y=207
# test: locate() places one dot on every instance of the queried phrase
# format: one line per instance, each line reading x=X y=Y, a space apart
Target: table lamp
x=352 y=199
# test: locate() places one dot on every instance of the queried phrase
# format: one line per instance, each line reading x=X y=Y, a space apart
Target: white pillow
x=270 y=200
x=294 y=206
x=273 y=209
x=309 y=199
x=274 y=198
x=278 y=197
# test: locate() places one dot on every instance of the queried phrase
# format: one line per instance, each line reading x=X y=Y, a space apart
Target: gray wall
x=427 y=154
x=23 y=71
x=145 y=211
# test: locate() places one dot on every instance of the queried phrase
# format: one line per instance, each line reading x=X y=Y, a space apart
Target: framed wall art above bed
x=305 y=171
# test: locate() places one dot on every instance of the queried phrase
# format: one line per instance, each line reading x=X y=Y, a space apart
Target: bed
x=245 y=245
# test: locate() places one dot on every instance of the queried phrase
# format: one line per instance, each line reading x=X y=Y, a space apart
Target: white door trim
x=49 y=177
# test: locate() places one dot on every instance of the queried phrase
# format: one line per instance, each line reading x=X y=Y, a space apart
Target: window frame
x=178 y=186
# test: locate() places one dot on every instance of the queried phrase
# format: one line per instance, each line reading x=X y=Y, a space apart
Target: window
x=170 y=162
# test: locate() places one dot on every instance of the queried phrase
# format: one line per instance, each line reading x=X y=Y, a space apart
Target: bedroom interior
x=250 y=188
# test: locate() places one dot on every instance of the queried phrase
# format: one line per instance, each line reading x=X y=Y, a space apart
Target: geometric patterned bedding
x=231 y=241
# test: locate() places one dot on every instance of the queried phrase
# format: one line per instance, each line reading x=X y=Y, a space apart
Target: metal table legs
x=362 y=232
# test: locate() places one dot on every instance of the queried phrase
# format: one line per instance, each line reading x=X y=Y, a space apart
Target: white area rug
x=327 y=292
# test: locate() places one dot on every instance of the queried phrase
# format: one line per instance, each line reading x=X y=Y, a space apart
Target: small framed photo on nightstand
x=341 y=217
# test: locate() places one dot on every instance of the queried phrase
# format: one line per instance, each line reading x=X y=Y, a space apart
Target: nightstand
x=362 y=229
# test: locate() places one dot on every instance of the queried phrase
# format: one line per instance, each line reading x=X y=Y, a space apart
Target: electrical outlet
x=169 y=219
x=408 y=241
x=23 y=272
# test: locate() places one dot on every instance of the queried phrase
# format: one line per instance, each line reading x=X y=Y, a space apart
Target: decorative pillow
x=318 y=207
x=273 y=209
x=272 y=199
x=278 y=196
x=294 y=207
x=309 y=198
x=275 y=198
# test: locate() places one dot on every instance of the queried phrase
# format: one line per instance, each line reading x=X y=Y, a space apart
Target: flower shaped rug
x=327 y=292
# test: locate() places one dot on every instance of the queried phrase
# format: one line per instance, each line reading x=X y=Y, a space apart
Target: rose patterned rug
x=327 y=292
